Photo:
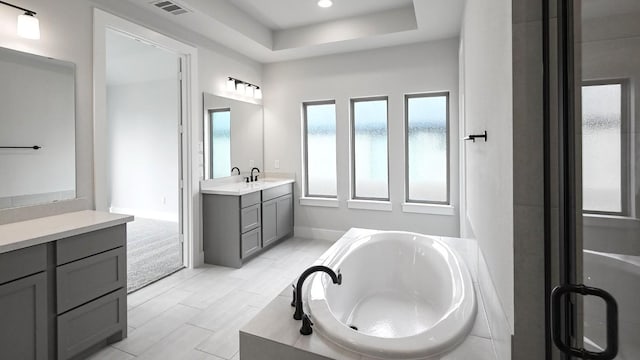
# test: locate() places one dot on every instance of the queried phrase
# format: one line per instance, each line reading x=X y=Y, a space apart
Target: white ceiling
x=286 y=14
x=278 y=30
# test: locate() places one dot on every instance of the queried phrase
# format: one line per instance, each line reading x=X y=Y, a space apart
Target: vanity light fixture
x=243 y=88
x=28 y=24
x=325 y=3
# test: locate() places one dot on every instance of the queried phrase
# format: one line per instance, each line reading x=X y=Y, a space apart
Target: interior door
x=594 y=303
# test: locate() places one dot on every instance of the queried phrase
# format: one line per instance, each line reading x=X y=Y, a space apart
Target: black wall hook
x=474 y=137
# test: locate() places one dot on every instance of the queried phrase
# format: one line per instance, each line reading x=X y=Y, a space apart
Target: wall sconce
x=243 y=88
x=28 y=24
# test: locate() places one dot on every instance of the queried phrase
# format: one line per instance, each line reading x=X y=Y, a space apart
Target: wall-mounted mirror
x=37 y=129
x=232 y=136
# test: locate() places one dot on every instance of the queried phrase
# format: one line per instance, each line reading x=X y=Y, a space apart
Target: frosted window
x=602 y=148
x=370 y=149
x=321 y=149
x=427 y=148
x=220 y=143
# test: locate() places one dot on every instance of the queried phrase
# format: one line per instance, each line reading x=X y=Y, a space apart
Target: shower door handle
x=612 y=322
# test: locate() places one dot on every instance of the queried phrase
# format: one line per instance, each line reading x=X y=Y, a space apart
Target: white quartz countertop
x=20 y=235
x=243 y=188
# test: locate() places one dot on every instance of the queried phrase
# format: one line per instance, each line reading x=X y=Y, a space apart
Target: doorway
x=594 y=307
x=144 y=165
x=180 y=137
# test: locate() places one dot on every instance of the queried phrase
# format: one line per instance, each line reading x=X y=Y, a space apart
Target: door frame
x=563 y=251
x=103 y=21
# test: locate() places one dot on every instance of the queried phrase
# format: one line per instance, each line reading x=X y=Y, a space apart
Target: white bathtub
x=409 y=296
x=620 y=276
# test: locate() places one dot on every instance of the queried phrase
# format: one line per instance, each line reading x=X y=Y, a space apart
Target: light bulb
x=249 y=91
x=325 y=3
x=28 y=26
x=231 y=85
x=240 y=88
x=257 y=93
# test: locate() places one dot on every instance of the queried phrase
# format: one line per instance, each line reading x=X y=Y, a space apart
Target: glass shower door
x=595 y=308
x=610 y=74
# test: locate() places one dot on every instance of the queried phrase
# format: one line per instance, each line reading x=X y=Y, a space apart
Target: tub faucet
x=235 y=168
x=254 y=178
x=297 y=295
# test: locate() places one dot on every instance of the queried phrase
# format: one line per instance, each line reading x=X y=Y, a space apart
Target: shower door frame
x=565 y=318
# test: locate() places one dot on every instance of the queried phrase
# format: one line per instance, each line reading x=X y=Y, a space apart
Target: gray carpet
x=153 y=251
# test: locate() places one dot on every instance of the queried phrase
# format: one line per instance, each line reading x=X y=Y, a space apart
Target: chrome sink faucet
x=254 y=178
x=297 y=295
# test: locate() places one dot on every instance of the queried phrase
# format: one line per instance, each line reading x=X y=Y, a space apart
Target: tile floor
x=196 y=313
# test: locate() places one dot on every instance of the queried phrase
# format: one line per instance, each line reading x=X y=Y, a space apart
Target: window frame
x=352 y=155
x=210 y=113
x=305 y=149
x=447 y=95
x=625 y=143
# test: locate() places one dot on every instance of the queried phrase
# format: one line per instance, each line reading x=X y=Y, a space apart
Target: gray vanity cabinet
x=23 y=304
x=236 y=228
x=277 y=219
x=231 y=228
x=62 y=291
x=91 y=290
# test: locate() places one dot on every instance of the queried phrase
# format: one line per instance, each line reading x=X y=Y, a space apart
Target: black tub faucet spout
x=335 y=277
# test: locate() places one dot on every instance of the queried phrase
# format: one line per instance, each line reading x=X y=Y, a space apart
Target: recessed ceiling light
x=325 y=3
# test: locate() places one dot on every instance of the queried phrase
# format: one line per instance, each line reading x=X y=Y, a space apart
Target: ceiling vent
x=171 y=7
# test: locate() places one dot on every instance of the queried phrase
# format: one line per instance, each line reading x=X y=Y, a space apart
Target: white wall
x=394 y=71
x=143 y=145
x=487 y=61
x=143 y=114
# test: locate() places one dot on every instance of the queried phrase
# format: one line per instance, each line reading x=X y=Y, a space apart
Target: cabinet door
x=250 y=218
x=250 y=243
x=269 y=222
x=23 y=318
x=284 y=214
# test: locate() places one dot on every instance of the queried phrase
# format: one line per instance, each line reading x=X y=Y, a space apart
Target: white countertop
x=23 y=234
x=243 y=188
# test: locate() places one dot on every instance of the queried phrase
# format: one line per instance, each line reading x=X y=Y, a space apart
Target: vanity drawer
x=250 y=218
x=250 y=199
x=276 y=192
x=20 y=263
x=95 y=242
x=81 y=328
x=250 y=243
x=84 y=280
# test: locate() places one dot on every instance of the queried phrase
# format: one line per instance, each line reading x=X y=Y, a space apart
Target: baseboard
x=317 y=234
x=155 y=215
